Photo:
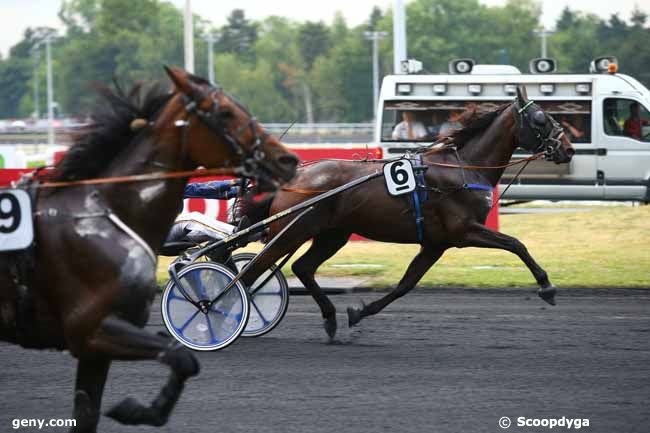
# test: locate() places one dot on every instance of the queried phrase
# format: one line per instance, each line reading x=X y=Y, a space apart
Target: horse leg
x=419 y=266
x=89 y=387
x=324 y=246
x=119 y=339
x=483 y=237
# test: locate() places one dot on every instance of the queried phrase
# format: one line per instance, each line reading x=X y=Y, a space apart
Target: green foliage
x=314 y=41
x=581 y=37
x=238 y=35
x=14 y=77
x=252 y=87
x=291 y=71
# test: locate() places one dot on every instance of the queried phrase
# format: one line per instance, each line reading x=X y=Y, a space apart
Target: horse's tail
x=256 y=209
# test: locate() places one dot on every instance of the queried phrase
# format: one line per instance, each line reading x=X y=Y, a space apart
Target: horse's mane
x=474 y=120
x=109 y=132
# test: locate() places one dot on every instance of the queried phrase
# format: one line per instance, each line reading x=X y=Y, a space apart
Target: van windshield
x=427 y=121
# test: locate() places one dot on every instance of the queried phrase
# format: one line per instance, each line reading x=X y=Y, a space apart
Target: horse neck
x=492 y=148
x=149 y=208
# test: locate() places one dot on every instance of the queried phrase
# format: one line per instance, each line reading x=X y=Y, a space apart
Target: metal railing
x=297 y=133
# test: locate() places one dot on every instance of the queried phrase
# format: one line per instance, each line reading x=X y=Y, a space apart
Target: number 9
x=13 y=212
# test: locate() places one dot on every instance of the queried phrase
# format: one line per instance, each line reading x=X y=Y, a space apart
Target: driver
x=409 y=128
x=633 y=124
x=197 y=228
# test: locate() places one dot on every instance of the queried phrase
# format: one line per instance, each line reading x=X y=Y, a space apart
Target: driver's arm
x=217 y=190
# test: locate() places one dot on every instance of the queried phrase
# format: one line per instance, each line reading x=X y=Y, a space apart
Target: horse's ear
x=522 y=95
x=180 y=78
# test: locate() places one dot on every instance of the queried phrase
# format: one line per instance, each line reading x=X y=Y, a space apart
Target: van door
x=625 y=135
x=577 y=180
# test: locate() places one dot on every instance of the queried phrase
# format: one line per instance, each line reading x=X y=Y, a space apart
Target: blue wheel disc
x=225 y=320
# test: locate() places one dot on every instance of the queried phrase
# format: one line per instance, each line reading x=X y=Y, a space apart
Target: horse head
x=225 y=133
x=537 y=131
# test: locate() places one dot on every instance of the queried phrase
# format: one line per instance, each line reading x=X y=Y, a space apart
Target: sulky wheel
x=224 y=321
x=269 y=302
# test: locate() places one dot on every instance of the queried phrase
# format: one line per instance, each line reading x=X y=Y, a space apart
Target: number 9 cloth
x=16 y=228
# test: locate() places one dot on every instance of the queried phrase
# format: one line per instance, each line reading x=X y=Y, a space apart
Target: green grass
x=604 y=247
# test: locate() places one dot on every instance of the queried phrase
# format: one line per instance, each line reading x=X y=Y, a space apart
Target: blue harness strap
x=477 y=186
x=419 y=194
x=418 y=214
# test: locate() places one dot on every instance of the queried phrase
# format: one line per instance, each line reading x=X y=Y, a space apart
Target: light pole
x=50 y=92
x=375 y=37
x=399 y=36
x=543 y=33
x=36 y=56
x=188 y=37
x=211 y=38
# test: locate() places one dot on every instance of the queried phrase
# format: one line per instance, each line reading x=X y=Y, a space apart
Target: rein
x=437 y=164
x=252 y=158
x=143 y=177
x=489 y=167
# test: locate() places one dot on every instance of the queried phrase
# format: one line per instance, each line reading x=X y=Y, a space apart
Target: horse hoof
x=131 y=412
x=85 y=413
x=548 y=294
x=330 y=326
x=124 y=411
x=354 y=316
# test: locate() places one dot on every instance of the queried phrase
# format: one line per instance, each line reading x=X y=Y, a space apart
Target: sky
x=17 y=15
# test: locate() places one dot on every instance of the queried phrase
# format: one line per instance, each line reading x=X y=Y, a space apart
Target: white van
x=612 y=160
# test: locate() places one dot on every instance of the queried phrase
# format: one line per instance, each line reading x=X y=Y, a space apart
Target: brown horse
x=92 y=275
x=453 y=212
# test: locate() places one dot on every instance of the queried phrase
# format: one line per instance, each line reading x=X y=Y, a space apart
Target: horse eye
x=539 y=118
x=226 y=114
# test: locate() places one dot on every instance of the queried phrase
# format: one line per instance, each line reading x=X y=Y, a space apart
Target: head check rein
x=548 y=144
x=251 y=158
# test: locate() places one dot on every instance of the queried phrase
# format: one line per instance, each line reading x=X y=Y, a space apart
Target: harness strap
x=419 y=194
x=418 y=214
x=478 y=186
x=133 y=235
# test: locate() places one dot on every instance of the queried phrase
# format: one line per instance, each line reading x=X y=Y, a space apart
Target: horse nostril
x=570 y=152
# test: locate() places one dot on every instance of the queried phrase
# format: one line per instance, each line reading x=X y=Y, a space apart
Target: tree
x=251 y=86
x=375 y=17
x=342 y=81
x=14 y=76
x=314 y=41
x=287 y=70
x=238 y=36
x=566 y=20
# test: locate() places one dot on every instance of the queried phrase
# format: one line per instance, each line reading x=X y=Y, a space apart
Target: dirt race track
x=435 y=361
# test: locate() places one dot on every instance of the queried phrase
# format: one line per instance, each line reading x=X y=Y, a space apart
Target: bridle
x=251 y=158
x=549 y=139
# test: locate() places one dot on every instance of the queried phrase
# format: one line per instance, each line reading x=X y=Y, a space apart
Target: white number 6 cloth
x=399 y=177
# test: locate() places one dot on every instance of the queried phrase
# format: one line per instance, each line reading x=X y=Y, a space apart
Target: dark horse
x=454 y=215
x=92 y=275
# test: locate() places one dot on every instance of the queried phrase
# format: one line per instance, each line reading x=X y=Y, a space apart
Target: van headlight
x=547 y=89
x=404 y=88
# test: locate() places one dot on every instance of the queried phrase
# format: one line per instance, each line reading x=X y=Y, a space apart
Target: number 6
x=398 y=174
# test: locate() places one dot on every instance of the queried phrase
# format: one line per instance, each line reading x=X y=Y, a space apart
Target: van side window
x=627 y=118
x=425 y=121
x=574 y=116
